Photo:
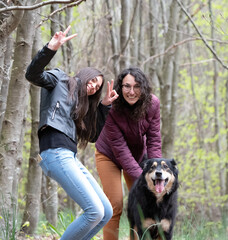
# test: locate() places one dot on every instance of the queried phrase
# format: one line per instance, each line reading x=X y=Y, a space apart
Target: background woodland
x=182 y=45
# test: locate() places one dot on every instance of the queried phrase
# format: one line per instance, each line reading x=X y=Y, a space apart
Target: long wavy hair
x=84 y=111
x=139 y=109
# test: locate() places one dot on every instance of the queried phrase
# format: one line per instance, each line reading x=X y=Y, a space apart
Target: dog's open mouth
x=160 y=184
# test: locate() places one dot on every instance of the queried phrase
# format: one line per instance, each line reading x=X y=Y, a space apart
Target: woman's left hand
x=111 y=95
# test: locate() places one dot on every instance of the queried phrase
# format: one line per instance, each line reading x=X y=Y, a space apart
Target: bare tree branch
x=60 y=10
x=74 y=2
x=201 y=35
x=177 y=45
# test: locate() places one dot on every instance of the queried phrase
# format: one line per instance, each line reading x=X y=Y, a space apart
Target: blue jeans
x=62 y=165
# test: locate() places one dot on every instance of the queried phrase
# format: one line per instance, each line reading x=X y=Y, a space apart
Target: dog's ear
x=143 y=162
x=173 y=162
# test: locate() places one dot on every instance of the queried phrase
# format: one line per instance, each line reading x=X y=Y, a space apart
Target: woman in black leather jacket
x=69 y=109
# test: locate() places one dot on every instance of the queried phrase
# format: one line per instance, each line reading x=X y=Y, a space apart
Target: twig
x=199 y=62
x=60 y=10
x=201 y=35
x=38 y=5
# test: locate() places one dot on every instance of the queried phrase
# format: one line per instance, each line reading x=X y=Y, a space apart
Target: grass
x=188 y=228
x=197 y=228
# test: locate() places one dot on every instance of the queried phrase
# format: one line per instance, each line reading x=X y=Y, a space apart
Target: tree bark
x=17 y=101
x=166 y=85
x=6 y=78
x=33 y=189
x=153 y=40
x=226 y=124
x=8 y=22
x=112 y=19
x=124 y=33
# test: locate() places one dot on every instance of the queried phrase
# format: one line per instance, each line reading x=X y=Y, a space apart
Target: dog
x=152 y=200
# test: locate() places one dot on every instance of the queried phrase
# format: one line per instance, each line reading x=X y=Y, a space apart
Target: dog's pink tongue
x=159 y=187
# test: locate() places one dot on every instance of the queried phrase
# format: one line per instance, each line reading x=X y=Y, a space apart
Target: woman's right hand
x=59 y=39
x=111 y=94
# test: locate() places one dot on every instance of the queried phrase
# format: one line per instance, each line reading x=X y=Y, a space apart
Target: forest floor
x=49 y=238
x=52 y=237
x=37 y=237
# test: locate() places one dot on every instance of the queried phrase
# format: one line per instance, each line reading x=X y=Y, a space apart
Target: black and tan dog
x=152 y=202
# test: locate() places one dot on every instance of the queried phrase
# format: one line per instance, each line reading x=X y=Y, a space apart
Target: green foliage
x=64 y=220
x=8 y=222
x=194 y=227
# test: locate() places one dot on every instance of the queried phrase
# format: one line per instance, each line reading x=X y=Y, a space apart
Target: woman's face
x=94 y=85
x=131 y=89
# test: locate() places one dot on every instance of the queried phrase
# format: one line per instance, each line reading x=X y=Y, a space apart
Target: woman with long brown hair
x=69 y=110
x=131 y=130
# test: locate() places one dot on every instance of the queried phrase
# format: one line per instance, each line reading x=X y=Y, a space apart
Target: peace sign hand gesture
x=59 y=39
x=111 y=95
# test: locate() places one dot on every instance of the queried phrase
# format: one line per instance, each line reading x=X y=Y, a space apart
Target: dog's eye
x=165 y=166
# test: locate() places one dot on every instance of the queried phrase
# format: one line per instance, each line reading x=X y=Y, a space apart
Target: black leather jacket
x=55 y=107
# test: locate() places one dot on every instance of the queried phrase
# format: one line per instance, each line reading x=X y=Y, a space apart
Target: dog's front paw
x=165 y=224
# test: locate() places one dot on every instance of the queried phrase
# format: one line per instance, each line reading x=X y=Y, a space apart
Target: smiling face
x=94 y=85
x=130 y=89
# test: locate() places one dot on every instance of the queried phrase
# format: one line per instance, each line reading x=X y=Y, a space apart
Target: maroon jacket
x=125 y=141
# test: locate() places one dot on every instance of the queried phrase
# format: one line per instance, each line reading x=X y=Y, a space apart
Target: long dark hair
x=84 y=111
x=139 y=109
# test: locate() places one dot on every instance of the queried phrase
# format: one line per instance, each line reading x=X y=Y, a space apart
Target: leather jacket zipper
x=56 y=107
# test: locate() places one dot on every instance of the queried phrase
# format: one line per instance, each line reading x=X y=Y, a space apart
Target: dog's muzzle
x=159 y=182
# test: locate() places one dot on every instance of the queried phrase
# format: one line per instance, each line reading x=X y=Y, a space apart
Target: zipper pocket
x=56 y=108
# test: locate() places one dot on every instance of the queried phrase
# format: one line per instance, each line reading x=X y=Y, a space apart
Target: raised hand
x=59 y=39
x=111 y=95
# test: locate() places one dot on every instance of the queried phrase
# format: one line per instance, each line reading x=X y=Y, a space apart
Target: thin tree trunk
x=226 y=123
x=91 y=39
x=124 y=33
x=55 y=27
x=167 y=85
x=135 y=35
x=49 y=196
x=199 y=130
x=153 y=39
x=216 y=107
x=6 y=78
x=33 y=190
x=114 y=38
x=141 y=48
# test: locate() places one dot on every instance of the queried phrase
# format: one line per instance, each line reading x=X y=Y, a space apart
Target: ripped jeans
x=62 y=165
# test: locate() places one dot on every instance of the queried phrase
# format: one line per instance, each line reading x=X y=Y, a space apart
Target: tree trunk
x=8 y=23
x=124 y=33
x=13 y=123
x=153 y=41
x=221 y=163
x=135 y=35
x=55 y=27
x=33 y=189
x=166 y=87
x=141 y=48
x=112 y=19
x=6 y=78
x=226 y=124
